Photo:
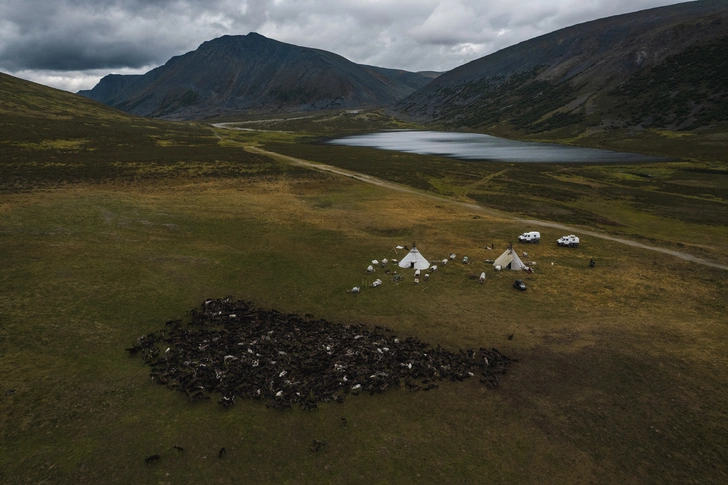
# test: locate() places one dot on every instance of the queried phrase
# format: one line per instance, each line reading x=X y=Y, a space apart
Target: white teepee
x=509 y=258
x=414 y=260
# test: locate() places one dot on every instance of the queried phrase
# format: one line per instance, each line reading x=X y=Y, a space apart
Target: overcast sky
x=71 y=44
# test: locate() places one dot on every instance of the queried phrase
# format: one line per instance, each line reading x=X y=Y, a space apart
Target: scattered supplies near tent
x=414 y=260
x=509 y=259
x=422 y=269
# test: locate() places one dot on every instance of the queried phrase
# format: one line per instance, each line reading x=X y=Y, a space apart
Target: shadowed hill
x=21 y=99
x=253 y=73
x=415 y=80
x=663 y=67
x=50 y=138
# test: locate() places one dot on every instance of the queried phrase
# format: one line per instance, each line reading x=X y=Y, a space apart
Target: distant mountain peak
x=241 y=73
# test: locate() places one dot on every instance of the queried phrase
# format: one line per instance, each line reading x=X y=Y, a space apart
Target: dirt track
x=382 y=183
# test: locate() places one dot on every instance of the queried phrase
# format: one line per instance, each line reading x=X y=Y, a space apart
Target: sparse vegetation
x=622 y=375
x=669 y=201
x=685 y=91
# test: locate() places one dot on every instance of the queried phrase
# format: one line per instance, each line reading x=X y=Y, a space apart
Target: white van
x=570 y=241
x=530 y=237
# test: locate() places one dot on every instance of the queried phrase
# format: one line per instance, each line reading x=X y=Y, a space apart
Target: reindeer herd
x=236 y=351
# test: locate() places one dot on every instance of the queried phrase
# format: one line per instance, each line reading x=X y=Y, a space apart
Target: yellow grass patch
x=673 y=134
x=73 y=144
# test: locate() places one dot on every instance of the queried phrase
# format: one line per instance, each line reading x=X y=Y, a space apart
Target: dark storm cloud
x=83 y=52
x=72 y=43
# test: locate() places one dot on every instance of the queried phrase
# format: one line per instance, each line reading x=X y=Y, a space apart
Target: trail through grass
x=530 y=222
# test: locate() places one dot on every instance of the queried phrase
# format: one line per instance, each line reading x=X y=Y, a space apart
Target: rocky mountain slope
x=663 y=68
x=253 y=73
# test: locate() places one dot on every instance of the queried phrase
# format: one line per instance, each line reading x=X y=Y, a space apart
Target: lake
x=471 y=146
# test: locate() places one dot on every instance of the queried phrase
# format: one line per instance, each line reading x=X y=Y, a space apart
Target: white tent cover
x=415 y=257
x=509 y=256
x=517 y=264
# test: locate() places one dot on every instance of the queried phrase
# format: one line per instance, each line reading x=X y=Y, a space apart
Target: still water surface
x=469 y=146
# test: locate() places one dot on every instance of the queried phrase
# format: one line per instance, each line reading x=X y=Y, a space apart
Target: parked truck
x=530 y=237
x=570 y=241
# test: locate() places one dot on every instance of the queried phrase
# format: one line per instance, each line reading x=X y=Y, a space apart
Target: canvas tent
x=509 y=259
x=414 y=260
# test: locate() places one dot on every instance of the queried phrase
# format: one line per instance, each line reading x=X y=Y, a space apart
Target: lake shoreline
x=475 y=147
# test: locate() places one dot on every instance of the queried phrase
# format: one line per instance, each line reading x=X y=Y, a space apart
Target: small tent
x=509 y=259
x=414 y=260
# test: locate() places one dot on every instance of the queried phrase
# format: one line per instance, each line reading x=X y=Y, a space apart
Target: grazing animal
x=178 y=448
x=317 y=445
x=343 y=423
x=221 y=453
x=510 y=337
x=308 y=405
x=591 y=263
x=152 y=458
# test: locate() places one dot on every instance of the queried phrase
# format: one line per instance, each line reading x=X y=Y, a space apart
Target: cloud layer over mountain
x=71 y=44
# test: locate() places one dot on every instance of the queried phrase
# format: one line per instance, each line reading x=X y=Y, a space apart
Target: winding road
x=383 y=183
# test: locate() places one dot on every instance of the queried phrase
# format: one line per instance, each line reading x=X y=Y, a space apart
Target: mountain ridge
x=575 y=77
x=253 y=73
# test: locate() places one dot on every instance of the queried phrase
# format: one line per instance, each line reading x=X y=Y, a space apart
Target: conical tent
x=414 y=260
x=504 y=259
x=509 y=258
x=517 y=264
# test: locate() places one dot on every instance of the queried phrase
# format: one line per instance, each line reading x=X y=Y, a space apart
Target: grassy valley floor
x=111 y=225
x=621 y=379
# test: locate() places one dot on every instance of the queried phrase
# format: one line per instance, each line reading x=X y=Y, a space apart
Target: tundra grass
x=621 y=379
x=111 y=225
x=676 y=204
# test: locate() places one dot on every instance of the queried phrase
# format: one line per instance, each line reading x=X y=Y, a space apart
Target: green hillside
x=50 y=138
x=630 y=76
